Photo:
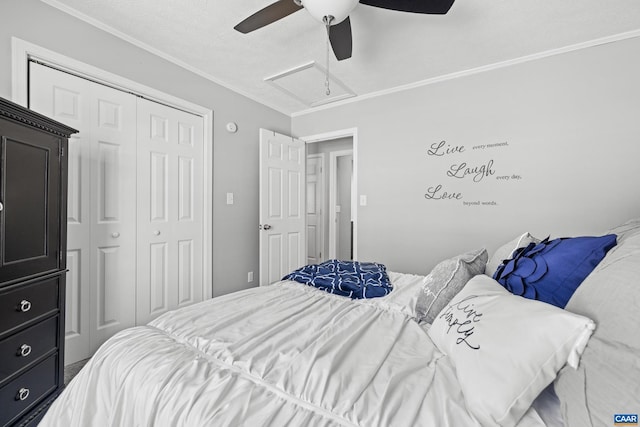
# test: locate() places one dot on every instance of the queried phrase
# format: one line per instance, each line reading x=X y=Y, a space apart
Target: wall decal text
x=462 y=165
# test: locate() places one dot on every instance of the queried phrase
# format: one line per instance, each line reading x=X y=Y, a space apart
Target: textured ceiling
x=390 y=49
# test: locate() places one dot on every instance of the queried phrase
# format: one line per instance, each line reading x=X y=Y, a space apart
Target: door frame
x=322 y=214
x=23 y=52
x=333 y=199
x=344 y=133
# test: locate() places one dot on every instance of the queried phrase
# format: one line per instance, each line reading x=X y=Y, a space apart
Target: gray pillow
x=506 y=251
x=446 y=280
x=607 y=381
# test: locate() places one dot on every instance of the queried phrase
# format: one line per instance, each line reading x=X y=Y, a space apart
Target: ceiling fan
x=334 y=14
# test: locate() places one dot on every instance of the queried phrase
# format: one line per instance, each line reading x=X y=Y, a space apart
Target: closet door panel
x=170 y=164
x=66 y=98
x=189 y=208
x=113 y=210
x=135 y=206
x=158 y=278
x=101 y=207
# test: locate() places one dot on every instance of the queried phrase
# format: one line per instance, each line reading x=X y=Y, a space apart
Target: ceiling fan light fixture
x=338 y=9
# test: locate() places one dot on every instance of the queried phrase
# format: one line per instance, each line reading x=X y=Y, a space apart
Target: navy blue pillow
x=551 y=271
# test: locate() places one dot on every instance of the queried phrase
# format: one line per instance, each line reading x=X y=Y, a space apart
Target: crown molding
x=472 y=71
x=131 y=40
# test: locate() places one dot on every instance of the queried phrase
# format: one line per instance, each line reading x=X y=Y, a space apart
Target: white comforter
x=283 y=355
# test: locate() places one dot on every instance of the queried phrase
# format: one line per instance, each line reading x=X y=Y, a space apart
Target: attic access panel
x=307 y=84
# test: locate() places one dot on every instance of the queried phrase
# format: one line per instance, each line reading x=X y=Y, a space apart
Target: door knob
x=115 y=235
x=266 y=227
x=156 y=233
x=1 y=206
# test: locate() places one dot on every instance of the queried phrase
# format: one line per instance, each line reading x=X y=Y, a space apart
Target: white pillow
x=506 y=251
x=405 y=293
x=506 y=348
x=608 y=378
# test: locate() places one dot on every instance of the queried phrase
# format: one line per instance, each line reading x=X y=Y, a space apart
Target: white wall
x=235 y=232
x=571 y=124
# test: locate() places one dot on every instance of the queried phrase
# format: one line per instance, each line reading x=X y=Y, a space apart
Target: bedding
x=351 y=279
x=404 y=296
x=280 y=355
x=607 y=382
x=293 y=355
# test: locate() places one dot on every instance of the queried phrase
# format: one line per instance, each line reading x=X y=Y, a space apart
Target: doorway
x=331 y=194
x=341 y=205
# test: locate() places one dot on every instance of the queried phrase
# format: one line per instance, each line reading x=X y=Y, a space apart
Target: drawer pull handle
x=23 y=394
x=24 y=350
x=25 y=305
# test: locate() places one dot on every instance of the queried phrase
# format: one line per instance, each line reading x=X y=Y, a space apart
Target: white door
x=282 y=217
x=113 y=213
x=100 y=296
x=170 y=197
x=314 y=211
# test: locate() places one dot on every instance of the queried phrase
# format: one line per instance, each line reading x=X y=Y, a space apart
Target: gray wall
x=235 y=235
x=570 y=123
x=564 y=129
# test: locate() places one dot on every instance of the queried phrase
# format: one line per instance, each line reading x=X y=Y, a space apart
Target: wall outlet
x=250 y=277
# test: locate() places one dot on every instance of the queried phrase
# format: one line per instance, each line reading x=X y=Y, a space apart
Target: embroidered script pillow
x=445 y=281
x=506 y=349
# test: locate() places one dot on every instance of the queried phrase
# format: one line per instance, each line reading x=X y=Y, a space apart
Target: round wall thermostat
x=232 y=127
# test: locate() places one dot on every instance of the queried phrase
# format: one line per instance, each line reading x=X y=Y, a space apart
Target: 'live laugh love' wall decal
x=461 y=172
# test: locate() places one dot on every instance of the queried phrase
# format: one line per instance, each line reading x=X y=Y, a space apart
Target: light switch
x=363 y=200
x=229 y=198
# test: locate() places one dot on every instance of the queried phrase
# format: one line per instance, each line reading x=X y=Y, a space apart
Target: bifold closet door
x=101 y=278
x=170 y=206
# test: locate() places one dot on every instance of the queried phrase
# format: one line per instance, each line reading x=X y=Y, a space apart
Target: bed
x=453 y=348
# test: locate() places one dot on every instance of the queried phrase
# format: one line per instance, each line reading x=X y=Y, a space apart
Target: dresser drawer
x=24 y=348
x=27 y=390
x=23 y=303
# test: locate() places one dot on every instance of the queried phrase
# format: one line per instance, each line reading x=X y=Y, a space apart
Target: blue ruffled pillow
x=552 y=270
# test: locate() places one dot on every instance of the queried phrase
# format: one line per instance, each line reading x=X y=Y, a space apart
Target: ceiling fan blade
x=268 y=15
x=340 y=38
x=439 y=7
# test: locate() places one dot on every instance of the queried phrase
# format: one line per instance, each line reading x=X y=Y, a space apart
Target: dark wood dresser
x=33 y=230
